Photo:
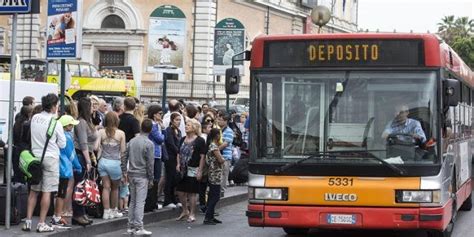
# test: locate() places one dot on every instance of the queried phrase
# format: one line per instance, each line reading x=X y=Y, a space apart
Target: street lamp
x=320 y=15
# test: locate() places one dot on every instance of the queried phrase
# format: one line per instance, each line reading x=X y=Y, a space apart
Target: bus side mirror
x=452 y=92
x=232 y=79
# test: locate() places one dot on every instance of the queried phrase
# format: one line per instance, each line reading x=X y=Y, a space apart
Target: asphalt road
x=235 y=224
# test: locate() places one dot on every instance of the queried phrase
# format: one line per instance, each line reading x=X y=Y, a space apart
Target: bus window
x=53 y=69
x=94 y=72
x=74 y=70
x=33 y=70
x=85 y=70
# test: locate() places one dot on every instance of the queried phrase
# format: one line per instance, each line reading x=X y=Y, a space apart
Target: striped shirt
x=228 y=136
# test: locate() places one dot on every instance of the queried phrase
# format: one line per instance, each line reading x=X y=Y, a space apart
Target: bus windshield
x=347 y=117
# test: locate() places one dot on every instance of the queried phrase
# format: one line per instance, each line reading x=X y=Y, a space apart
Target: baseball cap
x=67 y=120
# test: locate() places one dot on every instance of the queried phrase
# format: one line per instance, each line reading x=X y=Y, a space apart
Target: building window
x=113 y=21
x=111 y=58
x=309 y=3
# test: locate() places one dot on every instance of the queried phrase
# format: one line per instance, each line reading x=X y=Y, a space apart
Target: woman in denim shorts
x=112 y=145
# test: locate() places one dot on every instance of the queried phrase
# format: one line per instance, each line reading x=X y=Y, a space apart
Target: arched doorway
x=114 y=35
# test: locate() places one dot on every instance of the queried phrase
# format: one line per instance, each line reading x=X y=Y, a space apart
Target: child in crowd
x=67 y=165
x=124 y=193
x=214 y=162
x=140 y=159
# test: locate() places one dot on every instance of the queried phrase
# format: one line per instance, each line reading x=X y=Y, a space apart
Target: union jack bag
x=86 y=192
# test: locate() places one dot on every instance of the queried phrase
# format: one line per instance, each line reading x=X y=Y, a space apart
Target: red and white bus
x=359 y=131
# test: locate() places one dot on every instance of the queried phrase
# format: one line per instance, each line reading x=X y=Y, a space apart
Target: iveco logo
x=340 y=197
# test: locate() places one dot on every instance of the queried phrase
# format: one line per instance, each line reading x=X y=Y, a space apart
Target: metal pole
x=63 y=85
x=163 y=100
x=10 y=122
x=214 y=87
x=227 y=102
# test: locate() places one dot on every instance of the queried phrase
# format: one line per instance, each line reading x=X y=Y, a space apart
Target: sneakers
x=59 y=222
x=159 y=206
x=42 y=227
x=124 y=211
x=26 y=226
x=131 y=231
x=111 y=214
x=143 y=232
x=179 y=205
x=216 y=221
x=107 y=214
x=171 y=206
x=116 y=214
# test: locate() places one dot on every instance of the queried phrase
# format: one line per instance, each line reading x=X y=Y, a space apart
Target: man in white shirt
x=173 y=107
x=50 y=181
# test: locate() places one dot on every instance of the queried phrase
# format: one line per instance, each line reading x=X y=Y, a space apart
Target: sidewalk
x=233 y=195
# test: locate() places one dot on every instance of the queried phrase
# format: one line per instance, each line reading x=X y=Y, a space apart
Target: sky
x=405 y=15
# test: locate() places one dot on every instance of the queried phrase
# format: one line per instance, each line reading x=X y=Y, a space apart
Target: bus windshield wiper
x=296 y=163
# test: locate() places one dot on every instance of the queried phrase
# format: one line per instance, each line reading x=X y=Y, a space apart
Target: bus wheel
x=296 y=231
x=449 y=229
x=467 y=205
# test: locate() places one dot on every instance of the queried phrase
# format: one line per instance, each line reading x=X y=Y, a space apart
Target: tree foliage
x=459 y=34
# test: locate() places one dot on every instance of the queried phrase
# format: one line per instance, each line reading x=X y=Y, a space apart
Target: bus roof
x=436 y=52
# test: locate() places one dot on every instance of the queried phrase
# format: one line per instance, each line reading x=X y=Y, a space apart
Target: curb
x=150 y=217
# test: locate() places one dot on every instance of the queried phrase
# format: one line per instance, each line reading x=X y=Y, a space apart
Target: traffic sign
x=15 y=6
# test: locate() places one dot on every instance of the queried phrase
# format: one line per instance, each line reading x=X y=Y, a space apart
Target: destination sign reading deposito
x=344 y=53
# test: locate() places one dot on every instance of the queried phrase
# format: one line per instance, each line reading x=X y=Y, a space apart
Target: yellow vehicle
x=85 y=79
x=5 y=64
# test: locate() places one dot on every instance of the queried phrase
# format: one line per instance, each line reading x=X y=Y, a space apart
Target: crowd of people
x=146 y=158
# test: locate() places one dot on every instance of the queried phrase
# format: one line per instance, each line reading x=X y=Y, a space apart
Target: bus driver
x=403 y=125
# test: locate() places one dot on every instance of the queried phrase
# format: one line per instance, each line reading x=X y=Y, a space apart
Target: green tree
x=459 y=34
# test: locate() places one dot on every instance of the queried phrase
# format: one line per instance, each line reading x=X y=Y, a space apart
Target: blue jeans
x=213 y=197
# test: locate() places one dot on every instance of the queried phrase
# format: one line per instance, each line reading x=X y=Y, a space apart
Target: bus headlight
x=418 y=196
x=268 y=193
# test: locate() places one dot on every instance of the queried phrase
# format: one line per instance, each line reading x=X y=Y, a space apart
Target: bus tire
x=449 y=229
x=467 y=205
x=296 y=231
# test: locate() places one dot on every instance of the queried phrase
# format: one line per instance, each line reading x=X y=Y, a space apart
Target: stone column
x=2 y=40
x=297 y=25
x=135 y=59
x=28 y=36
x=204 y=39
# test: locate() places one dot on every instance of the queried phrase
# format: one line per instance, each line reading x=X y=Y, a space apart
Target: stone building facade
x=119 y=32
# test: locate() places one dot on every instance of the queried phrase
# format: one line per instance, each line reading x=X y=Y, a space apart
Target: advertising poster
x=229 y=39
x=64 y=29
x=166 y=40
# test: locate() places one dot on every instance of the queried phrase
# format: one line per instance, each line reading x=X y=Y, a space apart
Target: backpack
x=238 y=140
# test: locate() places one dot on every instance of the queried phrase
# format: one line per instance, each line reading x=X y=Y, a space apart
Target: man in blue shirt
x=404 y=125
x=226 y=147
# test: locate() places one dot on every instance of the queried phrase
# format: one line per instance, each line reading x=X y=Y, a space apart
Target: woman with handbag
x=172 y=139
x=85 y=136
x=111 y=142
x=190 y=161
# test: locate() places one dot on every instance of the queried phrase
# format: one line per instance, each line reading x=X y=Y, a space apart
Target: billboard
x=166 y=40
x=229 y=39
x=64 y=29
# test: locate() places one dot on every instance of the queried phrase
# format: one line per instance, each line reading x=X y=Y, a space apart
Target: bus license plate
x=341 y=219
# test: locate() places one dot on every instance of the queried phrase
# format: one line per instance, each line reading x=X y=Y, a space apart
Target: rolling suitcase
x=19 y=202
